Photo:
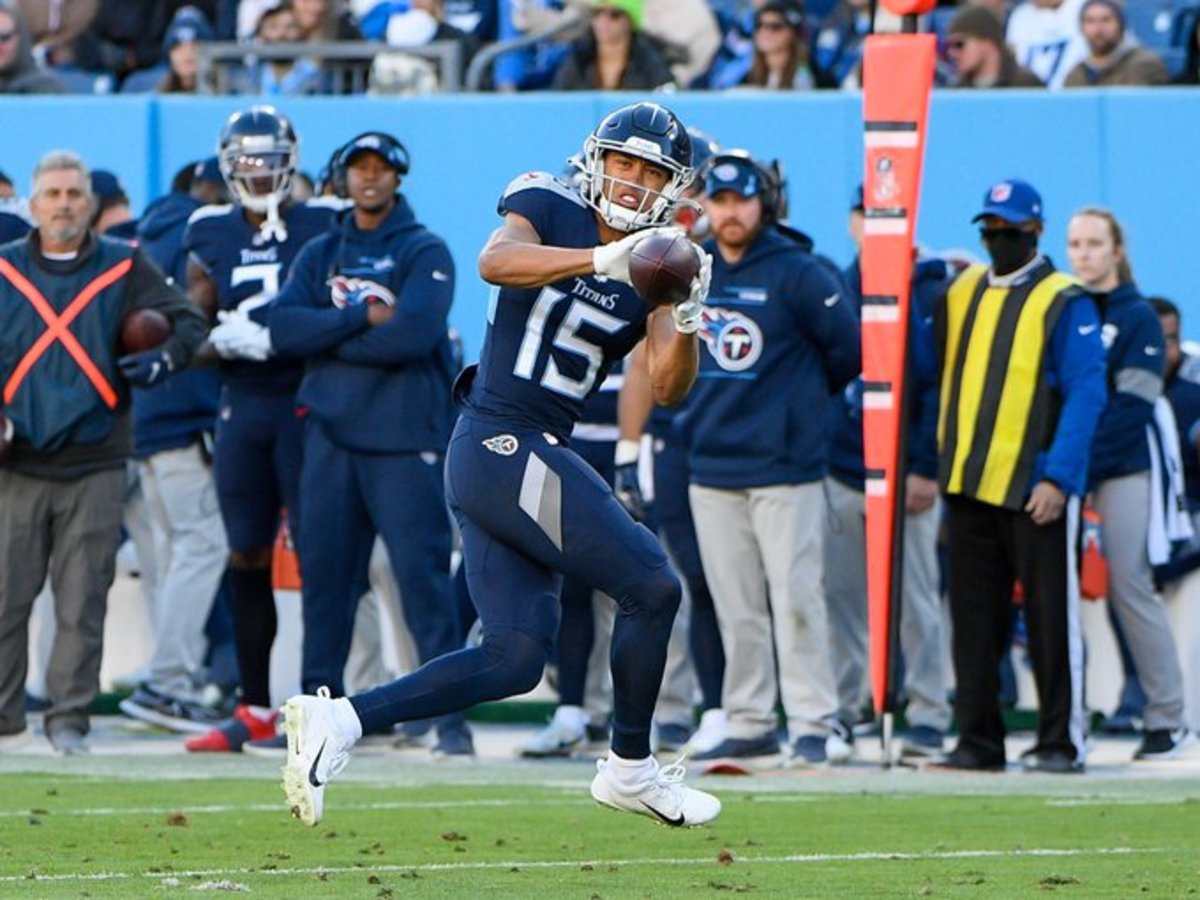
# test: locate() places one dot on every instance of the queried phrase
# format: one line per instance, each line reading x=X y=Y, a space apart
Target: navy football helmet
x=704 y=148
x=647 y=131
x=259 y=154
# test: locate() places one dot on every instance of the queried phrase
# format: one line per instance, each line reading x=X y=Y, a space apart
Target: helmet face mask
x=649 y=132
x=259 y=154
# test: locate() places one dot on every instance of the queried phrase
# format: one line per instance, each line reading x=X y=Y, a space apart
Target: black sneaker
x=1164 y=743
x=741 y=748
x=1051 y=762
x=965 y=761
x=170 y=712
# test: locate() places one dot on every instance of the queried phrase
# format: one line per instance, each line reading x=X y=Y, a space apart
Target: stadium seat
x=1152 y=21
x=78 y=81
x=143 y=81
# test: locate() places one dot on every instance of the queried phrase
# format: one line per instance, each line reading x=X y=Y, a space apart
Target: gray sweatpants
x=190 y=555
x=922 y=617
x=1124 y=507
x=70 y=529
x=761 y=549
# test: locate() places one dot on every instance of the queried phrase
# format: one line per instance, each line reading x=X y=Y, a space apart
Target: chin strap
x=273 y=226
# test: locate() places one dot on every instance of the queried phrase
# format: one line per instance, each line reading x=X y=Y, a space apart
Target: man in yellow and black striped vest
x=1022 y=387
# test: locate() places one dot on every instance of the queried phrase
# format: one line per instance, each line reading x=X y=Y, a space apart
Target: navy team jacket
x=377 y=390
x=1134 y=341
x=779 y=338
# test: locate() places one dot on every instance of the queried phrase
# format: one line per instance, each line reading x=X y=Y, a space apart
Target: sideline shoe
x=839 y=746
x=68 y=741
x=921 y=740
x=169 y=711
x=1051 y=762
x=709 y=733
x=964 y=761
x=1164 y=743
x=246 y=725
x=320 y=734
x=562 y=736
x=742 y=748
x=664 y=798
x=454 y=741
x=670 y=737
x=809 y=750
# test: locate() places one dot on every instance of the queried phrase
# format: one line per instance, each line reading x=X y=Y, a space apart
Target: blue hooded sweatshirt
x=779 y=338
x=383 y=389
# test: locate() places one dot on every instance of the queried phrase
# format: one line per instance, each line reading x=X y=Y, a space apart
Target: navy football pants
x=531 y=511
x=349 y=496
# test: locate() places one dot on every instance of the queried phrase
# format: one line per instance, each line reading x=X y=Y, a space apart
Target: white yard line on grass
x=517 y=864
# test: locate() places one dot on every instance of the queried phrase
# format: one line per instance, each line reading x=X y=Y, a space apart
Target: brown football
x=662 y=267
x=142 y=330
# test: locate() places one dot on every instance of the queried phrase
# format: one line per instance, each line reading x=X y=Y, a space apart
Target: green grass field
x=71 y=836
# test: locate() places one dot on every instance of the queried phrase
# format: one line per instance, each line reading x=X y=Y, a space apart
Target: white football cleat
x=664 y=798
x=320 y=734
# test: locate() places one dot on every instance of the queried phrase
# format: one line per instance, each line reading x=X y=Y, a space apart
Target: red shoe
x=246 y=725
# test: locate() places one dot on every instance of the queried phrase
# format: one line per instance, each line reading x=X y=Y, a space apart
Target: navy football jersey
x=248 y=270
x=547 y=349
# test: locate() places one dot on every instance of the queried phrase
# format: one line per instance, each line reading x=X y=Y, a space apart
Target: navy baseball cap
x=728 y=172
x=389 y=148
x=1014 y=201
x=106 y=186
x=208 y=170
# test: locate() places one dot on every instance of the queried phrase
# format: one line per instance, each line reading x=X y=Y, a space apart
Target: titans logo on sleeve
x=548 y=349
x=248 y=269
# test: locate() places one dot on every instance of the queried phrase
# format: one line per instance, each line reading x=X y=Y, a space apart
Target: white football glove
x=238 y=337
x=612 y=260
x=687 y=314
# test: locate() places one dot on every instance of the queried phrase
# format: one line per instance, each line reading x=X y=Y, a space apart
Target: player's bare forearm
x=514 y=256
x=636 y=399
x=672 y=358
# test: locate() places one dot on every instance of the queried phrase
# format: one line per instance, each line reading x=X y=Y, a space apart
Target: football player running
x=239 y=256
x=530 y=509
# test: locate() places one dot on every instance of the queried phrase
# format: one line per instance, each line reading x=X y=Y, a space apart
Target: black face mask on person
x=1009 y=248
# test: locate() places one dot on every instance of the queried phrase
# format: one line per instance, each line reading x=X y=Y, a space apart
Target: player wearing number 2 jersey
x=531 y=510
x=238 y=259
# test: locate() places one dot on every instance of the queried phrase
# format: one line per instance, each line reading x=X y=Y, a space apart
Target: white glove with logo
x=687 y=314
x=238 y=337
x=612 y=260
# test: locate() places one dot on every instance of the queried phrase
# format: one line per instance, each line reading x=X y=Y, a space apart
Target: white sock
x=347 y=718
x=631 y=774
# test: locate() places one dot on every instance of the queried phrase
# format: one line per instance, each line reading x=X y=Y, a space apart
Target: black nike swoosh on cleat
x=312 y=770
x=665 y=819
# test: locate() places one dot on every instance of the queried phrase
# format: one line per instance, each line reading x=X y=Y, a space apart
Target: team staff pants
x=762 y=553
x=190 y=552
x=990 y=547
x=922 y=624
x=1124 y=507
x=70 y=529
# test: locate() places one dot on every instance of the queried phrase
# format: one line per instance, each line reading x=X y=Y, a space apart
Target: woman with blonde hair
x=1120 y=479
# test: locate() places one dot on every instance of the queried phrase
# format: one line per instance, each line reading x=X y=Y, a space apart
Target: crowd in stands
x=131 y=46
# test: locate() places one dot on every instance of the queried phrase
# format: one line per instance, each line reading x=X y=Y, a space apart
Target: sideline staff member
x=1022 y=388
x=63 y=293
